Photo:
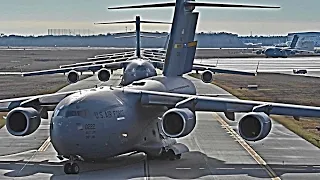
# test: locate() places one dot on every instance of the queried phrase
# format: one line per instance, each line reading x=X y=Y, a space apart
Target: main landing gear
x=166 y=155
x=171 y=155
x=71 y=167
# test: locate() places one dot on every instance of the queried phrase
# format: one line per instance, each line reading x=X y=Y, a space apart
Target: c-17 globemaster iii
x=145 y=116
x=136 y=65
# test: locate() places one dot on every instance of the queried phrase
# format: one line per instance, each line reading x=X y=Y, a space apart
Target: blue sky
x=36 y=16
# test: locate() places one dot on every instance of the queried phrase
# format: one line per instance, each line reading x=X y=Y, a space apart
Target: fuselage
x=279 y=52
x=137 y=70
x=106 y=122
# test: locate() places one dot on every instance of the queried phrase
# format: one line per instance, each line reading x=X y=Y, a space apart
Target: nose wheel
x=71 y=168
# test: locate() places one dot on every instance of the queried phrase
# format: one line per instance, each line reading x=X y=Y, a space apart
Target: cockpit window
x=65 y=112
x=78 y=113
x=61 y=111
x=141 y=68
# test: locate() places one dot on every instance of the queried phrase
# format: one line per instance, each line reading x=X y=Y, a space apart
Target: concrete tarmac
x=215 y=153
x=277 y=65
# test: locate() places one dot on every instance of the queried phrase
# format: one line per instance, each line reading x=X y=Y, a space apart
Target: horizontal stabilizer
x=145 y=6
x=118 y=22
x=194 y=4
x=154 y=22
x=129 y=22
x=130 y=36
x=205 y=4
x=152 y=36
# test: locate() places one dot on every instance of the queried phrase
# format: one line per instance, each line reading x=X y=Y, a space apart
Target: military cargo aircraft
x=145 y=116
x=284 y=52
x=136 y=65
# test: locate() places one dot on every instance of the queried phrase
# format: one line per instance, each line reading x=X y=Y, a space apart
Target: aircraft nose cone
x=64 y=133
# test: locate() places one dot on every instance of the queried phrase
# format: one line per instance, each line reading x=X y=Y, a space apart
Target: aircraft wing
x=219 y=70
x=212 y=68
x=216 y=104
x=41 y=100
x=95 y=61
x=93 y=68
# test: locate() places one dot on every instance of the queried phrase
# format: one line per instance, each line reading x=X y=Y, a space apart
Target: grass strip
x=301 y=128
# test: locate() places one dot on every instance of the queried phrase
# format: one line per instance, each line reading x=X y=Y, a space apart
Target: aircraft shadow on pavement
x=193 y=165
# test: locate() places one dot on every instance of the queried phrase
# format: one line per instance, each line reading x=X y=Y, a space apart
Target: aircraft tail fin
x=294 y=41
x=182 y=47
x=138 y=31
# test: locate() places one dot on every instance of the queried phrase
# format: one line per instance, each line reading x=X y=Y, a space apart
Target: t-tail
x=294 y=41
x=138 y=32
x=182 y=47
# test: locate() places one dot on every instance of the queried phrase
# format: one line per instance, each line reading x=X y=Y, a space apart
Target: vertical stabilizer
x=137 y=32
x=181 y=47
x=138 y=42
x=294 y=41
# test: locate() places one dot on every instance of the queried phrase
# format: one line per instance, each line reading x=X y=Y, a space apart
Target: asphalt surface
x=281 y=65
x=216 y=153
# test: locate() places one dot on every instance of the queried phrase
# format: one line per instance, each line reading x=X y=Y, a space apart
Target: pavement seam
x=205 y=158
x=248 y=148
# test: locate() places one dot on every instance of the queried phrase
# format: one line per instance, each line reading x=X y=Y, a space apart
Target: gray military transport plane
x=135 y=67
x=145 y=116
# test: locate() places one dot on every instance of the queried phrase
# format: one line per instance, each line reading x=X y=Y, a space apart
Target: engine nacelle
x=73 y=77
x=254 y=126
x=207 y=76
x=23 y=121
x=104 y=75
x=178 y=122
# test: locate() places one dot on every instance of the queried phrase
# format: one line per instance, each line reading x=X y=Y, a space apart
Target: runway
x=215 y=153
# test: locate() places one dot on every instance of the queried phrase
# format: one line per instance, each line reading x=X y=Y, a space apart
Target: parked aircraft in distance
x=136 y=65
x=283 y=52
x=147 y=115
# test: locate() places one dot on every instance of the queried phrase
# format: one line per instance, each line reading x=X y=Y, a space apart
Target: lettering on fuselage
x=90 y=131
x=109 y=114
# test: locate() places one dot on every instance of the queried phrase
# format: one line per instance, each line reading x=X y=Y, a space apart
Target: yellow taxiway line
x=248 y=148
x=45 y=145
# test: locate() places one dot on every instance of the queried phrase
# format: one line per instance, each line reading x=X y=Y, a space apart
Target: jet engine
x=22 y=121
x=207 y=76
x=254 y=126
x=103 y=75
x=73 y=77
x=178 y=122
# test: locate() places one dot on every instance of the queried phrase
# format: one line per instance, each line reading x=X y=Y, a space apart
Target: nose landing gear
x=71 y=168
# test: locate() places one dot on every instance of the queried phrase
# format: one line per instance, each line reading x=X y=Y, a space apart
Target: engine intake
x=73 y=77
x=23 y=121
x=103 y=75
x=207 y=76
x=254 y=126
x=178 y=122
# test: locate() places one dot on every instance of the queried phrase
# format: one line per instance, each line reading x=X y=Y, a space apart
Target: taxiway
x=280 y=65
x=216 y=152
